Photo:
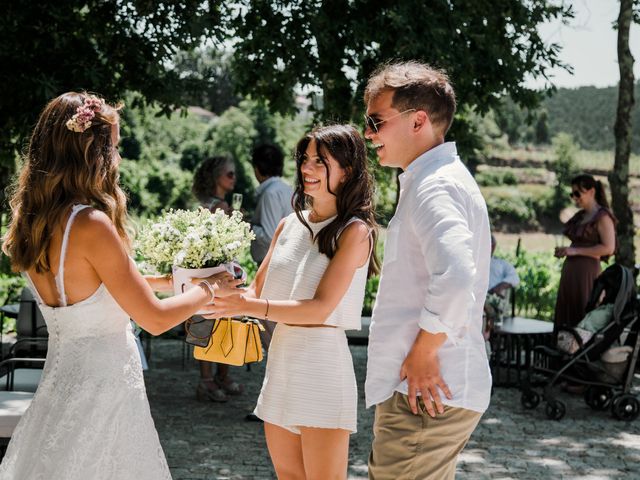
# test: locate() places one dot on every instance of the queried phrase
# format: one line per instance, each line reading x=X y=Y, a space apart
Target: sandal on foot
x=229 y=386
x=209 y=391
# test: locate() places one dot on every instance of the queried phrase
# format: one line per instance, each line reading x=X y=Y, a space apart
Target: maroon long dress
x=578 y=272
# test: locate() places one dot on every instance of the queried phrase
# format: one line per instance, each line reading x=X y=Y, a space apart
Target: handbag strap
x=191 y=321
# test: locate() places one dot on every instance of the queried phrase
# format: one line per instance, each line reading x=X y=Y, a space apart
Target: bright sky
x=589 y=44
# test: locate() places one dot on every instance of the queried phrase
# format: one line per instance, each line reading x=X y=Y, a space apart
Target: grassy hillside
x=588 y=114
x=518 y=185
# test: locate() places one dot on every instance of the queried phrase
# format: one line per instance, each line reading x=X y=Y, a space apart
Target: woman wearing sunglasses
x=593 y=239
x=214 y=179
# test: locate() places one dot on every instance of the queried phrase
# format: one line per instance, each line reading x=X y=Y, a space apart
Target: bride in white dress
x=90 y=417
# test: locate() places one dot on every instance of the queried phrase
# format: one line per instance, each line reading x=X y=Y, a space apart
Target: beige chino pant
x=418 y=447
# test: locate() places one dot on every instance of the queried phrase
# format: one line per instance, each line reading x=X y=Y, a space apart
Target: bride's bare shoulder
x=93 y=224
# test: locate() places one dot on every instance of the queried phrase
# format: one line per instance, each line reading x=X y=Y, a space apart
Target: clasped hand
x=560 y=252
x=224 y=286
x=229 y=305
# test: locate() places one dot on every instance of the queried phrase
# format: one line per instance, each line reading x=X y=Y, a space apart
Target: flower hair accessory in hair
x=81 y=120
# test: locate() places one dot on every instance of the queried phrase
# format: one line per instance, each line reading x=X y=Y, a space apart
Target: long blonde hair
x=63 y=167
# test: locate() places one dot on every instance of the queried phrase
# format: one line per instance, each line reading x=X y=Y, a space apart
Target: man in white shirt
x=502 y=275
x=273 y=197
x=427 y=370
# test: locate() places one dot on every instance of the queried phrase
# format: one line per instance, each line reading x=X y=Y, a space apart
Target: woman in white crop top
x=314 y=275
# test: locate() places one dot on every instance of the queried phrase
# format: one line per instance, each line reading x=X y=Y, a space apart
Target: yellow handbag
x=233 y=342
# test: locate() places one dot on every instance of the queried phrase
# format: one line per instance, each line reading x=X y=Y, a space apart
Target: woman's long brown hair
x=61 y=168
x=354 y=197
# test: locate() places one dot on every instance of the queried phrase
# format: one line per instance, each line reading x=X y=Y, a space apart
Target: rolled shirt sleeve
x=441 y=219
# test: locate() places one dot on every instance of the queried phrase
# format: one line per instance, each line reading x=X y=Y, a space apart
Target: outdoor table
x=512 y=345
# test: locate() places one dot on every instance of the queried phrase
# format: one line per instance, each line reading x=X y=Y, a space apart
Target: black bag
x=198 y=330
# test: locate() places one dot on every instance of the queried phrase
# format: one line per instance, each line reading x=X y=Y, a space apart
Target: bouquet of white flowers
x=196 y=241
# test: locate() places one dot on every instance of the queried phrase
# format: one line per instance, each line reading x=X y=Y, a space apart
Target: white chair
x=17 y=387
x=12 y=407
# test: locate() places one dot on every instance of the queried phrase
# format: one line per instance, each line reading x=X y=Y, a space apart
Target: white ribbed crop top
x=296 y=268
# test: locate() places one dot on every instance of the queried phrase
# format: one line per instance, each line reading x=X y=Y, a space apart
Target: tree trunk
x=619 y=177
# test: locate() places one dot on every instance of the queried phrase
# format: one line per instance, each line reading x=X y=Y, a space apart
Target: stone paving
x=212 y=441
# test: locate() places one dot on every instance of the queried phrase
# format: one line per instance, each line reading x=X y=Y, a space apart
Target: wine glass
x=236 y=201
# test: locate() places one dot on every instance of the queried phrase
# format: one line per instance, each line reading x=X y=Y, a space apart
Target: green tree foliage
x=589 y=113
x=158 y=172
x=522 y=125
x=516 y=209
x=486 y=46
x=565 y=151
x=586 y=113
x=541 y=132
x=539 y=274
x=103 y=46
x=208 y=66
x=232 y=135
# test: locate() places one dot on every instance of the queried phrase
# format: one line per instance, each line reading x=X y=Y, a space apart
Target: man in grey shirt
x=273 y=197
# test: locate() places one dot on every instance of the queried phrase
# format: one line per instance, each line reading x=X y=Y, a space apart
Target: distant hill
x=588 y=113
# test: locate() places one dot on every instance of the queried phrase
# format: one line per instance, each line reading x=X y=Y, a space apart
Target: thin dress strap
x=63 y=252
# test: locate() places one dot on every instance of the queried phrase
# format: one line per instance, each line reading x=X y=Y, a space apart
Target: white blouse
x=297 y=266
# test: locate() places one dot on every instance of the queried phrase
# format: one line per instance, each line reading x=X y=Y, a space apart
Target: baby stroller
x=586 y=358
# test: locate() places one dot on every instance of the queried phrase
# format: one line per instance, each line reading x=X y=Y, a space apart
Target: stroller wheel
x=555 y=410
x=530 y=399
x=626 y=407
x=598 y=398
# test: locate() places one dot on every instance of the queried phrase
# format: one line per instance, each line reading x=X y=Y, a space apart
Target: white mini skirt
x=309 y=380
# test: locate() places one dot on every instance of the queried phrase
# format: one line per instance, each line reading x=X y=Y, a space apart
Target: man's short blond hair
x=415 y=85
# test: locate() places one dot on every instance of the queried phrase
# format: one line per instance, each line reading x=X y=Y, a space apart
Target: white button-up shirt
x=502 y=271
x=274 y=204
x=434 y=276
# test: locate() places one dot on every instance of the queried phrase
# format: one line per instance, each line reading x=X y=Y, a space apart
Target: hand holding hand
x=421 y=369
x=223 y=284
x=229 y=306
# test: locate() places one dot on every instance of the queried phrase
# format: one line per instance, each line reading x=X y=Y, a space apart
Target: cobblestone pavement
x=212 y=441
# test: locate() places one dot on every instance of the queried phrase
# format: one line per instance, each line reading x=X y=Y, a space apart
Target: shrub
x=11 y=285
x=509 y=208
x=496 y=177
x=517 y=208
x=565 y=151
x=539 y=279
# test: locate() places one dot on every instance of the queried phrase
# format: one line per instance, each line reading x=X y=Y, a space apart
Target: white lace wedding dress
x=90 y=418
